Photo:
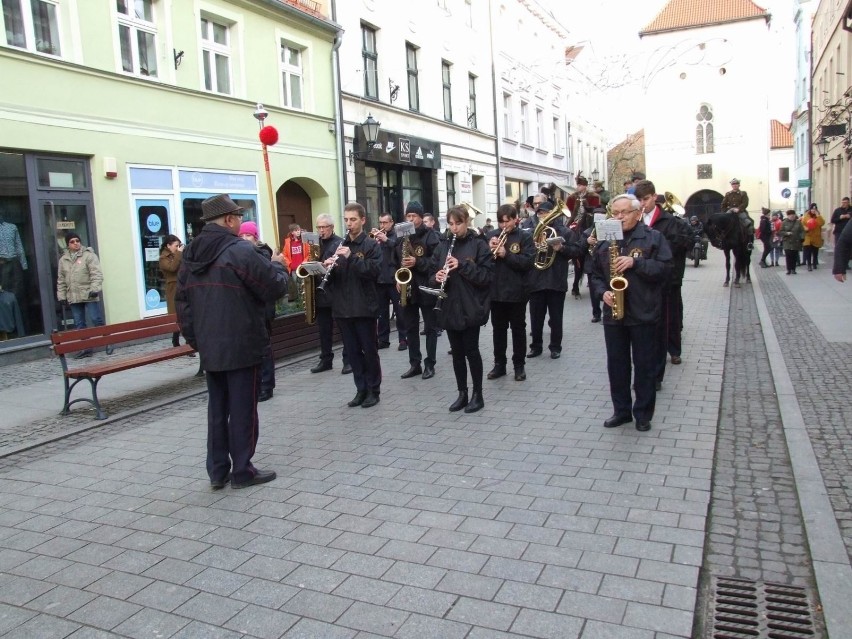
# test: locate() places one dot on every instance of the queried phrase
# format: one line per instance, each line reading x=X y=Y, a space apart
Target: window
x=291 y=75
x=448 y=102
x=539 y=128
x=557 y=137
x=705 y=171
x=784 y=174
x=704 y=130
x=471 y=101
x=32 y=24
x=371 y=62
x=525 y=114
x=413 y=88
x=507 y=116
x=216 y=55
x=451 y=190
x=468 y=17
x=137 y=36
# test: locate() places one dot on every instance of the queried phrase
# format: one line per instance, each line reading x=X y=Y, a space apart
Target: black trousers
x=767 y=247
x=667 y=330
x=389 y=296
x=504 y=315
x=674 y=318
x=359 y=341
x=792 y=258
x=325 y=323
x=411 y=313
x=465 y=345
x=622 y=342
x=596 y=303
x=267 y=370
x=543 y=303
x=232 y=424
x=811 y=255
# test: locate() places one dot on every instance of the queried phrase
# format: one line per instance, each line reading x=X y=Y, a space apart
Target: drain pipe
x=338 y=110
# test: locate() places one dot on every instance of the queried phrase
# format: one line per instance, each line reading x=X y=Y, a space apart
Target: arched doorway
x=703 y=203
x=294 y=207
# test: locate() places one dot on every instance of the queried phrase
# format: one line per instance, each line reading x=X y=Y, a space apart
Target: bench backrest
x=97 y=336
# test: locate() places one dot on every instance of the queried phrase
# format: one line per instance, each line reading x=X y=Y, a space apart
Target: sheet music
x=401 y=229
x=309 y=237
x=609 y=230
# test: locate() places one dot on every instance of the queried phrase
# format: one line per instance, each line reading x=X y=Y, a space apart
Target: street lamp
x=268 y=136
x=370 y=126
x=822 y=144
x=595 y=175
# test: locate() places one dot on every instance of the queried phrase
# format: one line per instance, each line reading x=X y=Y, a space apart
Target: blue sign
x=785 y=193
x=217 y=182
x=154 y=223
x=152 y=298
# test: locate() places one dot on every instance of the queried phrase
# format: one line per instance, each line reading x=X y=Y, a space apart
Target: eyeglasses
x=326 y=226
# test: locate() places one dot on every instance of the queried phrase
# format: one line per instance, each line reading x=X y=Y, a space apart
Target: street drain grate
x=745 y=609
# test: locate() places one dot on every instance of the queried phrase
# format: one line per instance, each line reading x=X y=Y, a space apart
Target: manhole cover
x=745 y=609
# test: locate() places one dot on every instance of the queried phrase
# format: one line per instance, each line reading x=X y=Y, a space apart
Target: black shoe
x=676 y=359
x=576 y=294
x=403 y=345
x=617 y=420
x=498 y=371
x=534 y=352
x=411 y=372
x=384 y=345
x=359 y=398
x=520 y=374
x=110 y=349
x=371 y=400
x=460 y=403
x=321 y=367
x=658 y=385
x=643 y=426
x=346 y=370
x=810 y=268
x=476 y=403
x=595 y=320
x=555 y=354
x=265 y=395
x=429 y=372
x=82 y=354
x=261 y=477
x=219 y=484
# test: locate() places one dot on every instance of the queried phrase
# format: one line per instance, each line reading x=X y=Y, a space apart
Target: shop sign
x=66 y=225
x=396 y=148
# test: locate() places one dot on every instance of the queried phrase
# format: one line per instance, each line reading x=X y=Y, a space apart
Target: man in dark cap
x=735 y=200
x=223 y=287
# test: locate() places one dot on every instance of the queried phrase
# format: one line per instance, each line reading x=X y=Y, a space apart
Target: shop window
x=216 y=55
x=413 y=87
x=62 y=174
x=137 y=37
x=32 y=25
x=291 y=75
x=192 y=213
x=371 y=62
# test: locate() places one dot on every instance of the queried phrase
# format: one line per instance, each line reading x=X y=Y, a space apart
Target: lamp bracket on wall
x=394 y=90
x=178 y=57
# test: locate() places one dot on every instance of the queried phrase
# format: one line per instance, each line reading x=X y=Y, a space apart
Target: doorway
x=294 y=207
x=702 y=204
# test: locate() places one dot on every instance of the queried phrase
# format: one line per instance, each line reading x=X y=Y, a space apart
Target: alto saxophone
x=617 y=283
x=309 y=285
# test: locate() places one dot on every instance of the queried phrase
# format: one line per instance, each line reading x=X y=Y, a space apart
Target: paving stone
x=377 y=619
x=310 y=629
x=12 y=617
x=536 y=623
x=210 y=608
x=218 y=582
x=104 y=612
x=151 y=623
x=483 y=613
x=419 y=600
x=315 y=578
x=261 y=622
x=198 y=630
x=422 y=627
x=529 y=596
x=43 y=627
x=369 y=590
x=469 y=585
x=317 y=605
x=61 y=601
x=163 y=596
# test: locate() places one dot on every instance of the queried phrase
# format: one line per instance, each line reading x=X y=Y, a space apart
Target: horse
x=731 y=233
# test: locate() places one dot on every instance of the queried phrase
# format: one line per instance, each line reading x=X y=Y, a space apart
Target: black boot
x=460 y=403
x=475 y=403
x=499 y=370
x=359 y=398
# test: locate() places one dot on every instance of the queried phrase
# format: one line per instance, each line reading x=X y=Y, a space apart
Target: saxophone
x=617 y=283
x=309 y=285
x=403 y=275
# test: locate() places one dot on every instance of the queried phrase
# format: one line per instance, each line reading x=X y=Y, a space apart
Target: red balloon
x=811 y=224
x=268 y=135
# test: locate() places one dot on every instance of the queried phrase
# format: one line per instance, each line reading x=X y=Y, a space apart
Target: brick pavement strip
x=527 y=519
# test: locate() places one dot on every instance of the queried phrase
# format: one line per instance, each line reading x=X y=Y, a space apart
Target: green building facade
x=119 y=117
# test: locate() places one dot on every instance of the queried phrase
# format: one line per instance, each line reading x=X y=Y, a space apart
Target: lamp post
x=268 y=136
x=595 y=175
x=370 y=126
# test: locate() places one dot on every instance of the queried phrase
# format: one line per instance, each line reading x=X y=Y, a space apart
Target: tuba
x=544 y=255
x=308 y=285
x=617 y=283
x=672 y=204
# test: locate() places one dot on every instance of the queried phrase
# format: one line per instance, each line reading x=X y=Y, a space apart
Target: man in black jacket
x=423 y=243
x=677 y=233
x=842 y=253
x=840 y=217
x=764 y=231
x=388 y=295
x=513 y=260
x=643 y=260
x=223 y=287
x=355 y=303
x=328 y=243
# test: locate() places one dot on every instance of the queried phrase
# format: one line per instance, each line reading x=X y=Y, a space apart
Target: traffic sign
x=785 y=193
x=804 y=183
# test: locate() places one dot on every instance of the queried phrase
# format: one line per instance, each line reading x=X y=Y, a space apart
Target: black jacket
x=510 y=272
x=424 y=241
x=839 y=224
x=842 y=251
x=555 y=278
x=679 y=236
x=327 y=249
x=352 y=283
x=468 y=287
x=389 y=263
x=643 y=298
x=223 y=287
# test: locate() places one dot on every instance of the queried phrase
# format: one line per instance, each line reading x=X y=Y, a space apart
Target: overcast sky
x=608 y=29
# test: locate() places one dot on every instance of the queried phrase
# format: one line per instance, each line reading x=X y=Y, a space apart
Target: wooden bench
x=100 y=336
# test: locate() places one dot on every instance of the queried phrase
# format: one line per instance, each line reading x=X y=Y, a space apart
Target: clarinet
x=440 y=293
x=331 y=266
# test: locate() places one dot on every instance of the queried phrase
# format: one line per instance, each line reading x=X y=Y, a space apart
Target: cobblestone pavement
x=821 y=372
x=755 y=528
x=527 y=519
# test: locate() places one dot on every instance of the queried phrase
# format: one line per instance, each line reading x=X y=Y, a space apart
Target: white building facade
x=706 y=108
x=801 y=127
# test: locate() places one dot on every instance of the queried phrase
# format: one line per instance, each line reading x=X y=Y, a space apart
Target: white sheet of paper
x=609 y=230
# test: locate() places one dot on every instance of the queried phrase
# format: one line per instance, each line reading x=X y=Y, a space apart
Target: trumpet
x=501 y=242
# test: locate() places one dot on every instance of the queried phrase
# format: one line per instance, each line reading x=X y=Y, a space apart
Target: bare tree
x=624 y=159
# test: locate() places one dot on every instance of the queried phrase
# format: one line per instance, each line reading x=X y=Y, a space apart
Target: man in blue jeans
x=79 y=284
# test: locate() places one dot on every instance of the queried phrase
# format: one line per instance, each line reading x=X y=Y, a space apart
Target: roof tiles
x=686 y=14
x=780 y=135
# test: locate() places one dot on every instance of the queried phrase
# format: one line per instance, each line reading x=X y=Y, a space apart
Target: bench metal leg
x=93 y=382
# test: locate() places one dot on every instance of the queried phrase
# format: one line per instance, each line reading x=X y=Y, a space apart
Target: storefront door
x=153 y=221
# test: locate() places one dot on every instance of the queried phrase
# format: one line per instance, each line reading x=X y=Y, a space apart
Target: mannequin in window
x=13 y=260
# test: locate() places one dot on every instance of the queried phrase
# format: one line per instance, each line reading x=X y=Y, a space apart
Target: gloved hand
x=93 y=295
